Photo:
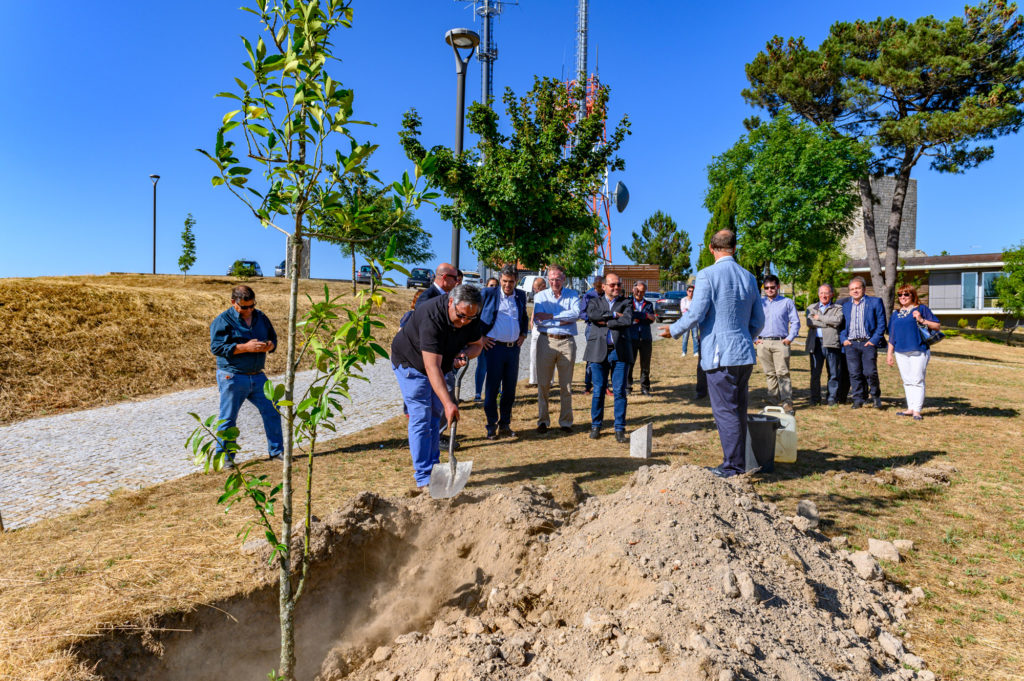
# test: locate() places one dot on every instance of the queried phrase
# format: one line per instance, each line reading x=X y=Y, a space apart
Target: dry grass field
x=78 y=342
x=120 y=562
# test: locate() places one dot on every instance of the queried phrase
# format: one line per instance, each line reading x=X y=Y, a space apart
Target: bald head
x=724 y=241
x=446 y=277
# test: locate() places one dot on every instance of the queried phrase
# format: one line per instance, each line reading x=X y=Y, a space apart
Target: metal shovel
x=448 y=479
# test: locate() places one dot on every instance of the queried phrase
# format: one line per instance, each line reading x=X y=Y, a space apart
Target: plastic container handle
x=773 y=410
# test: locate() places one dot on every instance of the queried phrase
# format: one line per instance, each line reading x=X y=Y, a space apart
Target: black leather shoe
x=718 y=472
x=229 y=463
x=542 y=428
x=645 y=391
x=492 y=436
x=443 y=443
x=879 y=405
x=505 y=431
x=620 y=436
x=595 y=433
x=831 y=403
x=856 y=405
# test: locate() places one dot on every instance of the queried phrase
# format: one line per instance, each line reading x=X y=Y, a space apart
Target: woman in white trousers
x=907 y=348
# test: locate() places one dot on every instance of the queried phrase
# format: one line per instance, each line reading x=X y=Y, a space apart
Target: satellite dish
x=620 y=196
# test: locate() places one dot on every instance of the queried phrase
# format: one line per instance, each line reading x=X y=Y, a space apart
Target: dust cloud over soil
x=678 y=575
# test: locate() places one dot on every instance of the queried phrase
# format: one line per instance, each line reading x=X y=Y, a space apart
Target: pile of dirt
x=678 y=575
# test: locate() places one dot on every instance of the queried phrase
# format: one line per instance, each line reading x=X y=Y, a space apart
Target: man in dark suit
x=596 y=292
x=445 y=279
x=609 y=352
x=503 y=322
x=640 y=337
x=862 y=335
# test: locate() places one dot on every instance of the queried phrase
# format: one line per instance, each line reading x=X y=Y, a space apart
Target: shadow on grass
x=975 y=358
x=581 y=469
x=960 y=406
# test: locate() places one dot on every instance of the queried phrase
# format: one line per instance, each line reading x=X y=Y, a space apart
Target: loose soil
x=678 y=575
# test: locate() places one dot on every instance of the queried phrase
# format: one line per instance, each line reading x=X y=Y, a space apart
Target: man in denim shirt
x=728 y=310
x=240 y=338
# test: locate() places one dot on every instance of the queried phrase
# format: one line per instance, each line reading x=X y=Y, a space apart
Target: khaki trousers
x=552 y=352
x=773 y=356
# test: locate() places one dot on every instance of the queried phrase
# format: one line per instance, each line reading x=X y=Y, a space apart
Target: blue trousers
x=687 y=335
x=727 y=387
x=829 y=359
x=502 y=376
x=862 y=361
x=481 y=374
x=600 y=372
x=236 y=389
x=425 y=412
x=588 y=378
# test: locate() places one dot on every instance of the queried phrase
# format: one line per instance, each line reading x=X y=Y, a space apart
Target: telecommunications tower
x=487 y=51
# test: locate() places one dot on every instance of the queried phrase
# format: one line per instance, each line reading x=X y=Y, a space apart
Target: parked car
x=526 y=284
x=667 y=306
x=279 y=270
x=419 y=277
x=249 y=268
x=365 y=273
x=470 y=277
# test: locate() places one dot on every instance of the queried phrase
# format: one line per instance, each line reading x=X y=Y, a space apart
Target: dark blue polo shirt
x=228 y=330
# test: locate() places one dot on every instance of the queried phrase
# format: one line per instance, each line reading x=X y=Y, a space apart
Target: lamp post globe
x=460 y=39
x=155 y=178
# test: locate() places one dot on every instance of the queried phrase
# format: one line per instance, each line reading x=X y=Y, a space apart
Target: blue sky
x=97 y=96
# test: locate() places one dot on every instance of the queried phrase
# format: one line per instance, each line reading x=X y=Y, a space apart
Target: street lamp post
x=460 y=38
x=155 y=178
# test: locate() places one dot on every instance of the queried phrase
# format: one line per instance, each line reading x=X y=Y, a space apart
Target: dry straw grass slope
x=78 y=342
x=122 y=562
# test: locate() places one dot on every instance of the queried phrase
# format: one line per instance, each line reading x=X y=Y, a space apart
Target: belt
x=857 y=340
x=554 y=335
x=242 y=373
x=770 y=337
x=507 y=344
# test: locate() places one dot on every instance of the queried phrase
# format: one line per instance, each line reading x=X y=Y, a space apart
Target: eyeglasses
x=770 y=288
x=615 y=285
x=449 y=274
x=246 y=307
x=905 y=295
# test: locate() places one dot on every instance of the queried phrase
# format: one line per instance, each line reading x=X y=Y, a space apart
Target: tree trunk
x=353 y=269
x=892 y=241
x=285 y=601
x=867 y=209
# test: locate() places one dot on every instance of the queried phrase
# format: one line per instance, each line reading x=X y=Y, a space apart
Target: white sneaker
x=683 y=355
x=696 y=354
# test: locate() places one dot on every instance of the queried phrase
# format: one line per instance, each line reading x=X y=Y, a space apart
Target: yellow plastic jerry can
x=785 y=437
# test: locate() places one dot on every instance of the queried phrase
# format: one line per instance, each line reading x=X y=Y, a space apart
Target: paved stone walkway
x=54 y=464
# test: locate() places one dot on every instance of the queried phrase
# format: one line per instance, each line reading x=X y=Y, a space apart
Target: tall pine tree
x=661 y=242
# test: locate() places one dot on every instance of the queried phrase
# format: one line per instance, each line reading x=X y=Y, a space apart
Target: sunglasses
x=905 y=295
x=770 y=288
x=246 y=307
x=467 y=317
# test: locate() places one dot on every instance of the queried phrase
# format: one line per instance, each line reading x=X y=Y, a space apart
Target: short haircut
x=724 y=240
x=771 y=279
x=509 y=271
x=598 y=279
x=858 y=279
x=911 y=289
x=466 y=293
x=689 y=286
x=492 y=279
x=831 y=288
x=640 y=283
x=556 y=268
x=242 y=292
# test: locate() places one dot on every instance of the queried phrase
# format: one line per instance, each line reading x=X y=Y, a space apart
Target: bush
x=989 y=323
x=951 y=332
x=962 y=323
x=242 y=271
x=803 y=300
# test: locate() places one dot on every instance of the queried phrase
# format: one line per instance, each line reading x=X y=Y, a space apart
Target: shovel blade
x=444 y=485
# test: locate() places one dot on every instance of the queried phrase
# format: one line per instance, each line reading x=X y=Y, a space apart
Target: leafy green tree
x=521 y=196
x=723 y=216
x=1010 y=287
x=661 y=242
x=927 y=88
x=293 y=122
x=188 y=246
x=828 y=268
x=794 y=196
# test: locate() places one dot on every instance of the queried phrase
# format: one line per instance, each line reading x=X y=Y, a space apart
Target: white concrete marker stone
x=640 y=441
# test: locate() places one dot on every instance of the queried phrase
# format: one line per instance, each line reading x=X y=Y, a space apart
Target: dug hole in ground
x=678 y=575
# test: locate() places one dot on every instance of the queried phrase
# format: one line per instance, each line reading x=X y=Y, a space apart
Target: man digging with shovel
x=442 y=334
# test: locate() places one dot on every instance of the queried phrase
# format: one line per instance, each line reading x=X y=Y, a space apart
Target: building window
x=969 y=290
x=988 y=288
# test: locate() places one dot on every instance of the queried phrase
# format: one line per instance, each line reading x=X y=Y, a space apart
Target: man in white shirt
x=503 y=322
x=684 y=305
x=555 y=312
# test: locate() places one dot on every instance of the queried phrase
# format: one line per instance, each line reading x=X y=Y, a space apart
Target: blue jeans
x=687 y=335
x=481 y=374
x=599 y=371
x=502 y=375
x=425 y=412
x=862 y=361
x=236 y=389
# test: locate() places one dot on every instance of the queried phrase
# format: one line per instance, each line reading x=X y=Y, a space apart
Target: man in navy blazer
x=504 y=324
x=861 y=336
x=640 y=336
x=727 y=307
x=609 y=352
x=445 y=279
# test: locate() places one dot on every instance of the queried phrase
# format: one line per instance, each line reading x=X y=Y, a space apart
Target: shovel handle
x=451 y=447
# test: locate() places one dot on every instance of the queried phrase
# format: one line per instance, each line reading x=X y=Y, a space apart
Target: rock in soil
x=667 y=578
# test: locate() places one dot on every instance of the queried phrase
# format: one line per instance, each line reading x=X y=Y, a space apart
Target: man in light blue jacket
x=727 y=307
